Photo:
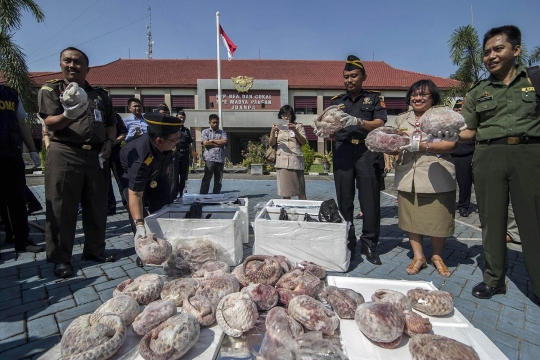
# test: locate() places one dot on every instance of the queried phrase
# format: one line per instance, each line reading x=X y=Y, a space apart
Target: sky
x=410 y=35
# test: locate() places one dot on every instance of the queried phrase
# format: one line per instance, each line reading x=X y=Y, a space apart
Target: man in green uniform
x=503 y=114
x=82 y=123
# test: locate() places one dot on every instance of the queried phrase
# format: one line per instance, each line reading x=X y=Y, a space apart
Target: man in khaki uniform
x=503 y=113
x=82 y=123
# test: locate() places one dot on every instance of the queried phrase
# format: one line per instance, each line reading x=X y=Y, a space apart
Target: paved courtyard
x=36 y=307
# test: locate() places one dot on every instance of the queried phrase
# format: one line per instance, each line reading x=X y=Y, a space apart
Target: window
x=395 y=106
x=151 y=102
x=182 y=102
x=326 y=101
x=305 y=104
x=119 y=103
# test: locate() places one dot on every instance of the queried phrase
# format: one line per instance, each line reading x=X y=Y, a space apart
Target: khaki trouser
x=500 y=172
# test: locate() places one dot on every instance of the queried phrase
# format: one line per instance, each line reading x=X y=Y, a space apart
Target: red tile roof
x=301 y=74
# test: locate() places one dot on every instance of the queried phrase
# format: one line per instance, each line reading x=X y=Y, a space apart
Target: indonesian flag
x=229 y=45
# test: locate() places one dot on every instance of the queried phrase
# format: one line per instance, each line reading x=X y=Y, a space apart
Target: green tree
x=466 y=53
x=12 y=59
x=534 y=56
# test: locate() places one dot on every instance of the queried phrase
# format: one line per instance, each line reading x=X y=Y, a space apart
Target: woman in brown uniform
x=289 y=156
x=426 y=181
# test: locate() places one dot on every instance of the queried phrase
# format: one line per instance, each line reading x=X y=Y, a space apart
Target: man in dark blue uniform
x=353 y=162
x=183 y=151
x=147 y=163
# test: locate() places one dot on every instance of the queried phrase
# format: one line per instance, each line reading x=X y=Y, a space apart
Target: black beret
x=162 y=124
x=353 y=63
x=163 y=107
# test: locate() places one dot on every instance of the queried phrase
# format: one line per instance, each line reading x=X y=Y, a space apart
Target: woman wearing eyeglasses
x=426 y=181
x=289 y=137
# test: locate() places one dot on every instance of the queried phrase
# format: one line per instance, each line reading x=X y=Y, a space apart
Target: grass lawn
x=319 y=168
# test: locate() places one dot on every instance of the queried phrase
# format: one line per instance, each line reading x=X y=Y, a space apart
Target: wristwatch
x=360 y=120
x=136 y=221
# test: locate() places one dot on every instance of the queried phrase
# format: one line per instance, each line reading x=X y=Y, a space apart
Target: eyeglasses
x=174 y=141
x=422 y=95
x=286 y=116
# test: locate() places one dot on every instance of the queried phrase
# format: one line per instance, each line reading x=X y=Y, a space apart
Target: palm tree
x=534 y=57
x=12 y=59
x=466 y=53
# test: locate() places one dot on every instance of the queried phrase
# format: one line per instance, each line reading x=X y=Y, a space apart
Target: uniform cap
x=162 y=124
x=163 y=107
x=353 y=63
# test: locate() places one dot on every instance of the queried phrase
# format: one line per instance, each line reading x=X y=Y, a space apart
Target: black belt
x=511 y=140
x=87 y=146
x=353 y=141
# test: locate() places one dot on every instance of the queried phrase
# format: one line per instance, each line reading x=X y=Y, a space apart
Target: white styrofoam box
x=206 y=348
x=224 y=228
x=322 y=243
x=454 y=326
x=243 y=207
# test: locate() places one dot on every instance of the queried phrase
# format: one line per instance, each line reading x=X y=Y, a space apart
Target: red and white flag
x=229 y=45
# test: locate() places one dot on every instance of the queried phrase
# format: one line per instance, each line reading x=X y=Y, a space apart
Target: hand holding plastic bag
x=74 y=100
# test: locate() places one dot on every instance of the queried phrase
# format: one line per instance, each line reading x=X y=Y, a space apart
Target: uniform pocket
x=528 y=96
x=486 y=106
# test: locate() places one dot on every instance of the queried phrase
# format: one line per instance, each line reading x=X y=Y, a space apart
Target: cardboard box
x=322 y=243
x=225 y=228
x=454 y=326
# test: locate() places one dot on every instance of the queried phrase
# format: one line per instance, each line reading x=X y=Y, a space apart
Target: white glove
x=74 y=100
x=319 y=133
x=413 y=146
x=141 y=232
x=347 y=120
x=446 y=136
x=35 y=158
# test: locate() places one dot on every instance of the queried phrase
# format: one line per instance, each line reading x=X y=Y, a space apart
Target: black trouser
x=464 y=179
x=31 y=199
x=73 y=176
x=183 y=167
x=115 y=165
x=500 y=172
x=13 y=201
x=356 y=164
x=214 y=169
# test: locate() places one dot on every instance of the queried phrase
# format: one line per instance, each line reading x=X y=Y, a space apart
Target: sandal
x=416 y=265
x=438 y=263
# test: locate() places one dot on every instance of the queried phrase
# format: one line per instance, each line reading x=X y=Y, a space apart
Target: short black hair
x=181 y=112
x=133 y=99
x=287 y=109
x=422 y=84
x=75 y=49
x=212 y=117
x=513 y=34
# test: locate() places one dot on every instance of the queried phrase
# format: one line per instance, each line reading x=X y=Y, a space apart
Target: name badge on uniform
x=97 y=115
x=153 y=184
x=291 y=133
x=367 y=101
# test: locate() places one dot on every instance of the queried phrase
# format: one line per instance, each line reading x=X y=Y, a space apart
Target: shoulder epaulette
x=476 y=84
x=100 y=88
x=373 y=91
x=404 y=112
x=335 y=97
x=53 y=81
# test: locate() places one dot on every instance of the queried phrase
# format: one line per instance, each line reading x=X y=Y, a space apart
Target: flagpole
x=218 y=100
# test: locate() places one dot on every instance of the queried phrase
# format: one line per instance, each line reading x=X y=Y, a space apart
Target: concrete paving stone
x=62 y=326
x=115 y=264
x=452 y=287
x=12 y=342
x=28 y=272
x=88 y=282
x=516 y=301
x=51 y=309
x=56 y=282
x=156 y=270
x=8 y=272
x=12 y=326
x=85 y=295
x=466 y=312
x=109 y=284
x=464 y=304
x=135 y=272
x=10 y=293
x=9 y=281
x=17 y=309
x=106 y=295
x=33 y=282
x=486 y=316
x=43 y=326
x=31 y=348
x=517 y=332
x=31 y=295
x=532 y=314
x=115 y=273
x=77 y=311
x=512 y=316
x=129 y=266
x=47 y=273
x=529 y=351
x=498 y=336
x=9 y=304
x=534 y=328
x=92 y=271
x=60 y=294
x=510 y=352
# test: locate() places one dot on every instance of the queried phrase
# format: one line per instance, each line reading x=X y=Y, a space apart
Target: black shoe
x=33 y=208
x=483 y=291
x=139 y=262
x=463 y=212
x=103 y=257
x=371 y=255
x=359 y=216
x=29 y=246
x=63 y=270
